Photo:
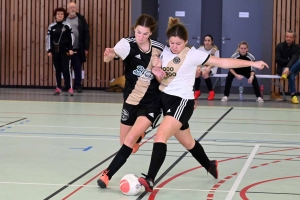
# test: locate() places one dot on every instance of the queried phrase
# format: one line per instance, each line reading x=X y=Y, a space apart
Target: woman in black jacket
x=59 y=44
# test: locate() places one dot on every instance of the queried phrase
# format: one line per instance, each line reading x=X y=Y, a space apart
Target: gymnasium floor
x=55 y=147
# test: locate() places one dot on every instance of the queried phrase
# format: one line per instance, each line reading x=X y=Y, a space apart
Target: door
x=237 y=27
x=189 y=12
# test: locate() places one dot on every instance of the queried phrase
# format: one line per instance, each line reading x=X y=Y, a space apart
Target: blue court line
x=117 y=136
x=83 y=149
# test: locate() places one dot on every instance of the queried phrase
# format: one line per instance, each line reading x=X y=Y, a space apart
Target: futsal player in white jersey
x=176 y=71
x=207 y=70
x=142 y=101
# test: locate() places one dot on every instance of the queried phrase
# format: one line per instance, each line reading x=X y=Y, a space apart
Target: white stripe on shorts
x=180 y=108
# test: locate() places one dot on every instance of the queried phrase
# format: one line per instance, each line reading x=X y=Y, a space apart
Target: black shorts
x=131 y=112
x=180 y=109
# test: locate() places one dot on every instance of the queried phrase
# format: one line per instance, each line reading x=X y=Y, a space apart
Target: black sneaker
x=79 y=89
x=213 y=170
x=147 y=182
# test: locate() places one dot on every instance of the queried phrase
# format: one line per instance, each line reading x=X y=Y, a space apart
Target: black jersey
x=59 y=32
x=249 y=56
x=141 y=86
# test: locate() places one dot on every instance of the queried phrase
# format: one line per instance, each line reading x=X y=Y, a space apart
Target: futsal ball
x=130 y=185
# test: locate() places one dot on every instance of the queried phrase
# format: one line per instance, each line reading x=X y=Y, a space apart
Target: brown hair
x=290 y=31
x=176 y=29
x=242 y=43
x=60 y=10
x=146 y=21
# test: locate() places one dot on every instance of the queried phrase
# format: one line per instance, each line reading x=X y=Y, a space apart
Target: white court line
x=110 y=128
x=111 y=186
x=242 y=173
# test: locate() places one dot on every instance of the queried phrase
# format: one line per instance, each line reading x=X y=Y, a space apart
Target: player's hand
x=239 y=77
x=260 y=65
x=109 y=52
x=156 y=61
x=286 y=71
x=158 y=72
x=71 y=52
x=250 y=80
x=205 y=71
x=50 y=54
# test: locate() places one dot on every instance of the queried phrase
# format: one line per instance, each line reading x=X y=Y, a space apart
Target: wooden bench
x=276 y=82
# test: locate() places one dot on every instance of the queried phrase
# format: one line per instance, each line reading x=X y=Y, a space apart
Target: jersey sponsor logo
x=176 y=60
x=125 y=115
x=138 y=56
x=143 y=73
x=169 y=71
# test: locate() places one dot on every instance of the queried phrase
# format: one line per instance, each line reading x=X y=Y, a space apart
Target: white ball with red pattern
x=130 y=185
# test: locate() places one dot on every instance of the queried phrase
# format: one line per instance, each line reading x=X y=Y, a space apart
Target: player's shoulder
x=52 y=24
x=67 y=24
x=236 y=55
x=157 y=44
x=130 y=39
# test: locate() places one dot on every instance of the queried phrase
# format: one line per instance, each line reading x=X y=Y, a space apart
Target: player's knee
x=161 y=137
x=130 y=140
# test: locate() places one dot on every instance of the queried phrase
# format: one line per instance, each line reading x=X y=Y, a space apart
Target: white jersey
x=216 y=54
x=180 y=71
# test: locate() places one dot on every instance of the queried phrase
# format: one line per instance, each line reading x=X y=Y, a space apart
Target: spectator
x=206 y=71
x=59 y=44
x=248 y=72
x=288 y=63
x=81 y=45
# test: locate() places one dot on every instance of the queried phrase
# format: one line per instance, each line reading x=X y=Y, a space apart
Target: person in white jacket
x=206 y=70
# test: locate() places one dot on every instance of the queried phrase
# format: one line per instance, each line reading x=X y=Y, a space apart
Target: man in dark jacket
x=288 y=63
x=81 y=44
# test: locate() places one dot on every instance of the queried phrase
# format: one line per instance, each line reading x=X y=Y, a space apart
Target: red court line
x=245 y=189
x=66 y=197
x=79 y=188
x=154 y=193
x=211 y=193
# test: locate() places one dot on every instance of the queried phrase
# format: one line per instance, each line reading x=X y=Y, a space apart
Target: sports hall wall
x=23 y=26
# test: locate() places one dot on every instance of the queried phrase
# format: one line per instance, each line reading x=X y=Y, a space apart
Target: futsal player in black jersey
x=59 y=45
x=141 y=106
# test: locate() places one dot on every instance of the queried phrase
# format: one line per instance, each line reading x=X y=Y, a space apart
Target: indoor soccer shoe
x=211 y=95
x=197 y=94
x=57 y=91
x=71 y=92
x=213 y=170
x=136 y=146
x=103 y=180
x=284 y=76
x=147 y=182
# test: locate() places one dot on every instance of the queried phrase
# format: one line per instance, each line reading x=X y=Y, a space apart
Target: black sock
x=119 y=160
x=197 y=83
x=208 y=84
x=199 y=154
x=157 y=159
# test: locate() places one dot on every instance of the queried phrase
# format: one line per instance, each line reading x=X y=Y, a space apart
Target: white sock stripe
x=70 y=71
x=180 y=108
